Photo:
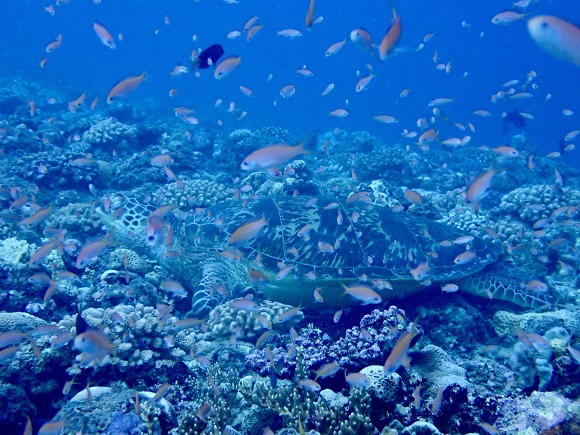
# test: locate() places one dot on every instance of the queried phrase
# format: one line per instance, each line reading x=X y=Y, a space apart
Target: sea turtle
x=322 y=243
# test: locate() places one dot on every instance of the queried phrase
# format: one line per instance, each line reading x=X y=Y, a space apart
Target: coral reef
x=109 y=132
x=504 y=322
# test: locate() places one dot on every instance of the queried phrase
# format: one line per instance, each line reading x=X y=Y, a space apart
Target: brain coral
x=19 y=321
x=504 y=322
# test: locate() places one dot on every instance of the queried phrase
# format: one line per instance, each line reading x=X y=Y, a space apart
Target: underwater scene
x=252 y=217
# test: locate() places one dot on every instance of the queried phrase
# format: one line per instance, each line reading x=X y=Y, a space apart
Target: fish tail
x=308 y=145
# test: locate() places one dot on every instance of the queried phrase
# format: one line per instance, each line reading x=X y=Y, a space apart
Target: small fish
x=398 y=356
x=414 y=198
x=226 y=66
x=437 y=102
x=477 y=190
x=309 y=384
x=392 y=37
x=95 y=344
x=246 y=91
x=575 y=353
x=436 y=406
x=507 y=17
x=506 y=151
x=310 y=14
x=44 y=251
x=273 y=156
x=250 y=23
x=362 y=293
x=125 y=87
x=488 y=428
x=328 y=89
x=289 y=33
x=327 y=370
x=287 y=91
x=104 y=35
x=244 y=304
x=421 y=271
x=339 y=113
x=92 y=250
x=248 y=231
x=289 y=314
x=334 y=48
x=161 y=392
x=364 y=82
x=174 y=287
x=450 y=288
x=385 y=119
x=178 y=70
x=362 y=39
x=465 y=257
x=536 y=286
x=357 y=380
x=54 y=44
x=252 y=32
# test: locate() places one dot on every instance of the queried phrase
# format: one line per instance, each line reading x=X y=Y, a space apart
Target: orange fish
x=248 y=231
x=226 y=66
x=310 y=14
x=92 y=250
x=125 y=86
x=477 y=190
x=273 y=156
x=252 y=32
x=413 y=197
x=362 y=39
x=104 y=35
x=250 y=23
x=54 y=44
x=335 y=48
x=392 y=37
x=95 y=345
x=398 y=356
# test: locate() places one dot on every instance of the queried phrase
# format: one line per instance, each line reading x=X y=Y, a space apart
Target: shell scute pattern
x=380 y=244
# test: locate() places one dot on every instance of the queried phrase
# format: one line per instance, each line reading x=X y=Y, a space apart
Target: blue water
x=490 y=54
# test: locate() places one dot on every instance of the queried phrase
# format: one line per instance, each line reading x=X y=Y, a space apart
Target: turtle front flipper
x=499 y=282
x=218 y=280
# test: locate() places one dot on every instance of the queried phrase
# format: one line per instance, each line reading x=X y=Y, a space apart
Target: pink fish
x=273 y=156
x=104 y=35
x=125 y=87
x=226 y=66
x=398 y=356
x=477 y=190
x=92 y=250
x=557 y=37
x=95 y=345
x=248 y=231
x=392 y=37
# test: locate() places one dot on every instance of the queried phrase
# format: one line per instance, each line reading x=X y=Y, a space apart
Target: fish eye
x=544 y=25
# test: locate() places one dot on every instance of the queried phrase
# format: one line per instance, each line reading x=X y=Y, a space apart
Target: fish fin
x=406 y=362
x=308 y=145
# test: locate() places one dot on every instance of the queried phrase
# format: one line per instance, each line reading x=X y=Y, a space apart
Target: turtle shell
x=333 y=242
